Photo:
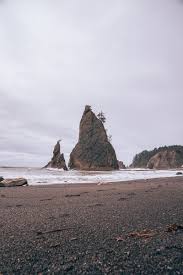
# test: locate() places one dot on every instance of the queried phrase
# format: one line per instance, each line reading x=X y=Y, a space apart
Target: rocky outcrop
x=167 y=156
x=58 y=160
x=93 y=150
x=14 y=182
x=163 y=160
x=1 y=179
x=121 y=165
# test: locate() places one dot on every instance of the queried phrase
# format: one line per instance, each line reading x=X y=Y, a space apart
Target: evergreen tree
x=102 y=117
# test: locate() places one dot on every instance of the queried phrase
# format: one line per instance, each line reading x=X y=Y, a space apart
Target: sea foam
x=37 y=176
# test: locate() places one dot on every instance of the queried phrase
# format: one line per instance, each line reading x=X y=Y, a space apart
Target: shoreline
x=93 y=229
x=85 y=184
x=50 y=177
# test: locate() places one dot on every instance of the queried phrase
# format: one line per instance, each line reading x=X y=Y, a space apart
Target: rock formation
x=14 y=182
x=163 y=160
x=1 y=179
x=93 y=150
x=166 y=157
x=179 y=174
x=58 y=160
x=121 y=165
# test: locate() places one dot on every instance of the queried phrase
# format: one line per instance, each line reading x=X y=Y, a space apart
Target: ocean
x=38 y=176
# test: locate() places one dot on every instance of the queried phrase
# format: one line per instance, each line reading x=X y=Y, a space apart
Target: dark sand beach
x=117 y=228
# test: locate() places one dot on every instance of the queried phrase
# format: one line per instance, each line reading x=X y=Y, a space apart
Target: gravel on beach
x=117 y=228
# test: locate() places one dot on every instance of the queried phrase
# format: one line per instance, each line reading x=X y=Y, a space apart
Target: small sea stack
x=58 y=160
x=93 y=151
x=121 y=164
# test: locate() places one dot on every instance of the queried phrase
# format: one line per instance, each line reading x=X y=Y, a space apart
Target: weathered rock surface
x=58 y=160
x=14 y=182
x=121 y=164
x=1 y=179
x=93 y=150
x=175 y=160
x=163 y=160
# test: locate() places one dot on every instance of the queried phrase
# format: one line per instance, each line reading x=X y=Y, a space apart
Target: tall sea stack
x=58 y=160
x=93 y=151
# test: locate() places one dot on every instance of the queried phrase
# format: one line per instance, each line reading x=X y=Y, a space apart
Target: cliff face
x=93 y=150
x=166 y=157
x=163 y=160
x=58 y=160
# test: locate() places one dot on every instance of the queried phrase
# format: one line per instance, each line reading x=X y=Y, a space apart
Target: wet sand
x=93 y=229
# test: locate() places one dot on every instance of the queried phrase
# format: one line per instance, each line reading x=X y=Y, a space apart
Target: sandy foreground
x=117 y=228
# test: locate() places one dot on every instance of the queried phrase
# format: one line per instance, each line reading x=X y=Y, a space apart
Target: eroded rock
x=93 y=150
x=163 y=160
x=58 y=160
x=144 y=159
x=14 y=182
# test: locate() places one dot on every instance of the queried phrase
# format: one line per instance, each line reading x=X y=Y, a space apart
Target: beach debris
x=96 y=204
x=55 y=245
x=174 y=227
x=72 y=195
x=73 y=239
x=14 y=182
x=149 y=233
x=39 y=233
x=48 y=199
x=144 y=234
x=106 y=190
x=120 y=239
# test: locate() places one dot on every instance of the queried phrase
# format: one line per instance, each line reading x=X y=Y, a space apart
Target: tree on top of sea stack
x=102 y=117
x=93 y=151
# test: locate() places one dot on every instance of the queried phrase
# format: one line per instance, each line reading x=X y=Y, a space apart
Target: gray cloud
x=124 y=57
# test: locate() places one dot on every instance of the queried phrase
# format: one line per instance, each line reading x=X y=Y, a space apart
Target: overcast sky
x=124 y=57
